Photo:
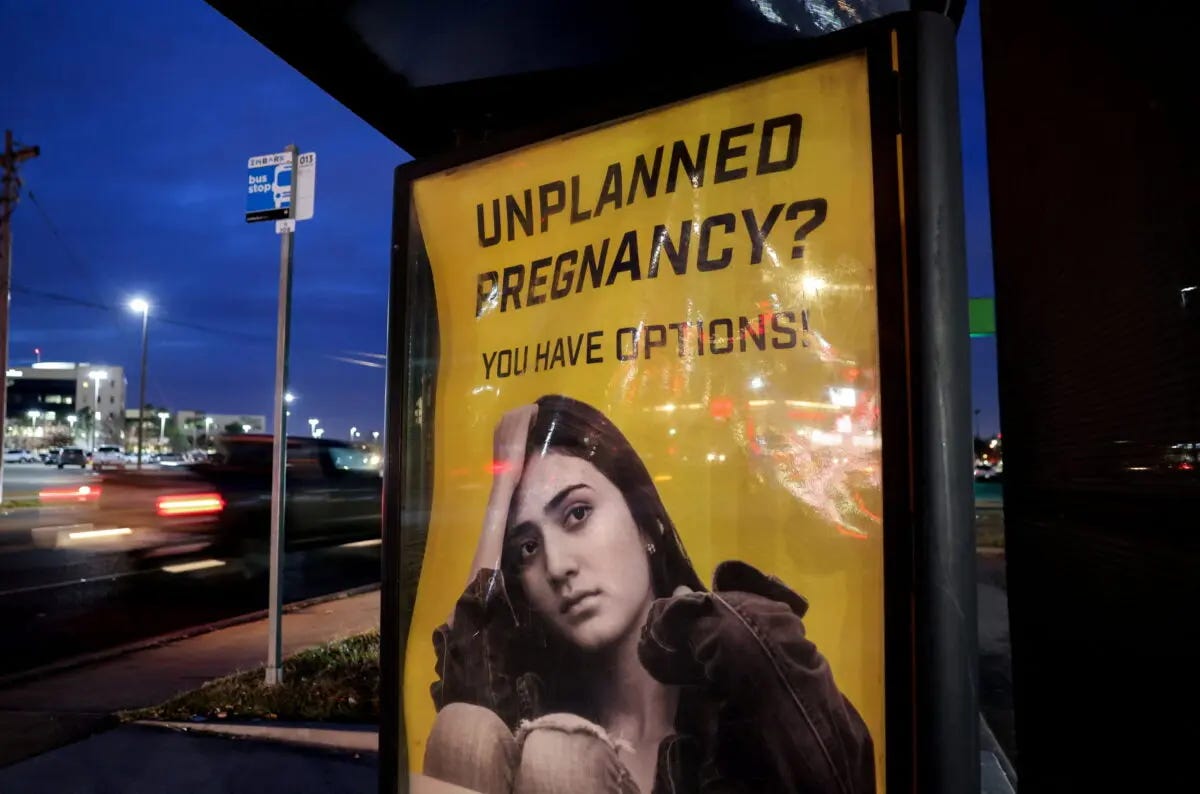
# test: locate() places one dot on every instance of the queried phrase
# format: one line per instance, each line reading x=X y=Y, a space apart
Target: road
x=27 y=479
x=55 y=604
x=71 y=586
x=61 y=597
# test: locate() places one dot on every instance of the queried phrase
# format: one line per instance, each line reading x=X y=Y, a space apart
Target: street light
x=208 y=420
x=353 y=431
x=71 y=420
x=143 y=306
x=375 y=434
x=312 y=426
x=245 y=428
x=162 y=428
x=96 y=375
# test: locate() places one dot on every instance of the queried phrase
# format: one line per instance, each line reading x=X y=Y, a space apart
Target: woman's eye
x=577 y=514
x=528 y=549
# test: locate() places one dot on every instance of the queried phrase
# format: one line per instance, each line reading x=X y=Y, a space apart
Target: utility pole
x=10 y=191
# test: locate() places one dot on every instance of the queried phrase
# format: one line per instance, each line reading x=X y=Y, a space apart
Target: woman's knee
x=471 y=747
x=563 y=752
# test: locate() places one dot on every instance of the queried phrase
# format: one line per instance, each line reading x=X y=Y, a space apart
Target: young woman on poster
x=586 y=655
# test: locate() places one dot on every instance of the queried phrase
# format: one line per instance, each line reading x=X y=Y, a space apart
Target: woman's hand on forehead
x=509 y=442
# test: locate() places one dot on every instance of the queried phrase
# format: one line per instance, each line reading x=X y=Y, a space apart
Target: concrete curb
x=166 y=639
x=346 y=739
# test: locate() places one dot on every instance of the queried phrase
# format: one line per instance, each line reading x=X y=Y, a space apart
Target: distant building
x=203 y=423
x=191 y=426
x=53 y=398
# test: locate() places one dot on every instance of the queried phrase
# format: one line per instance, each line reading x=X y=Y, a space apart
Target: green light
x=982 y=317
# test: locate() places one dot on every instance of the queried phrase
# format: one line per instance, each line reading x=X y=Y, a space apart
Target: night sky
x=146 y=113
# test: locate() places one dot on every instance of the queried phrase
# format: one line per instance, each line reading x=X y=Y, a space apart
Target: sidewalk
x=46 y=713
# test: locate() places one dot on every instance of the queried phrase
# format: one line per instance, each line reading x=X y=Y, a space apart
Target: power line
x=87 y=273
x=74 y=301
x=60 y=298
x=81 y=263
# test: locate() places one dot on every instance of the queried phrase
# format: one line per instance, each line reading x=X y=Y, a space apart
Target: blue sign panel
x=269 y=187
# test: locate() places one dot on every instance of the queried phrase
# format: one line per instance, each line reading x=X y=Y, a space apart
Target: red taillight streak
x=190 y=504
x=82 y=493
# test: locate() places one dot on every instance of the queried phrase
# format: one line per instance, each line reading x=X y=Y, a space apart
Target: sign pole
x=286 y=229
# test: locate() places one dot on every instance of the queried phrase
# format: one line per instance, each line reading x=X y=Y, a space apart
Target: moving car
x=986 y=471
x=108 y=457
x=334 y=493
x=72 y=456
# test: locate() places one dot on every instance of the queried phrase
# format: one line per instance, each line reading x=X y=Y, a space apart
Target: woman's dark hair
x=571 y=427
x=533 y=652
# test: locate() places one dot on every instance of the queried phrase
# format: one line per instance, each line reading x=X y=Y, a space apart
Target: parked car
x=171 y=459
x=19 y=456
x=108 y=457
x=72 y=456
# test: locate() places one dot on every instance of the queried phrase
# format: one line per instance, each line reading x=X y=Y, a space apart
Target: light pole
x=353 y=432
x=162 y=429
x=207 y=433
x=246 y=428
x=71 y=420
x=375 y=435
x=143 y=306
x=312 y=426
x=33 y=417
x=96 y=375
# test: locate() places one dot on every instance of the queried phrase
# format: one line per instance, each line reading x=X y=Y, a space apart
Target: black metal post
x=946 y=667
x=393 y=755
x=142 y=383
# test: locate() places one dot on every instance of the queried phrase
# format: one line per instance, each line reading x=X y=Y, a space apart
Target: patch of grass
x=335 y=682
x=20 y=502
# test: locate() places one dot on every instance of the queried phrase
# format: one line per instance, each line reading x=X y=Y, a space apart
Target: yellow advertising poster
x=654 y=558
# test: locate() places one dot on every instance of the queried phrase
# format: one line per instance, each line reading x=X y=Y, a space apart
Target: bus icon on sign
x=281 y=187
